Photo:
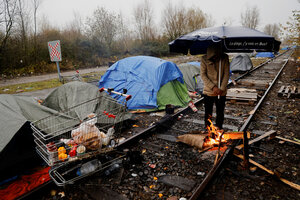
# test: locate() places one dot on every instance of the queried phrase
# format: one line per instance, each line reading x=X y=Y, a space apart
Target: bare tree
x=197 y=19
x=103 y=26
x=7 y=18
x=23 y=23
x=143 y=15
x=273 y=30
x=35 y=4
x=292 y=28
x=124 y=34
x=174 y=21
x=76 y=25
x=179 y=20
x=250 y=18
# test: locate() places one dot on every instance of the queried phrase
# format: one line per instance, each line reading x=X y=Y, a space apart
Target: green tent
x=174 y=93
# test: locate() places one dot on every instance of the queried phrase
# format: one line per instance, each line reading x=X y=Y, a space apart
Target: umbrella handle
x=219 y=82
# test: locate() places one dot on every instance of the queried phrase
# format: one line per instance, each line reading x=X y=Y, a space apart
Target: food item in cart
x=52 y=152
x=107 y=137
x=92 y=141
x=88 y=135
x=69 y=142
x=51 y=147
x=80 y=150
x=61 y=150
x=62 y=156
x=72 y=152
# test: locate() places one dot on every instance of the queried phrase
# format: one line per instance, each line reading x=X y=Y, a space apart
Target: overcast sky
x=61 y=12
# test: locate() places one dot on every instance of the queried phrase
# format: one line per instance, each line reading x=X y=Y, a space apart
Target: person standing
x=215 y=75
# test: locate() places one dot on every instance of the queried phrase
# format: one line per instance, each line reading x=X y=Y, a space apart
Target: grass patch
x=28 y=87
x=40 y=85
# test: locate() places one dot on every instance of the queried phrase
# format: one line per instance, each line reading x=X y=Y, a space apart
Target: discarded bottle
x=192 y=106
x=108 y=136
x=89 y=167
x=110 y=131
x=112 y=168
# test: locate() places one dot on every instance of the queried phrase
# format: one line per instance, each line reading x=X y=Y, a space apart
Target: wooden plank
x=293 y=91
x=239 y=147
x=240 y=98
x=250 y=82
x=235 y=135
x=279 y=93
x=238 y=90
x=287 y=140
x=293 y=185
x=242 y=94
x=287 y=89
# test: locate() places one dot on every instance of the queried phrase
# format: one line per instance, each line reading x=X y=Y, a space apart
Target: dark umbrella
x=232 y=38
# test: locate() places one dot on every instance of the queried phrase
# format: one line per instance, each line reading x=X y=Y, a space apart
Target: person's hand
x=220 y=92
x=217 y=91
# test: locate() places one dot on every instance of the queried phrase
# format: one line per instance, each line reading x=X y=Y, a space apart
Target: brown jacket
x=210 y=72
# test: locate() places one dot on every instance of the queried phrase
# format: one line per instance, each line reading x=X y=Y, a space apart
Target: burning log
x=235 y=135
x=203 y=140
x=195 y=140
x=214 y=137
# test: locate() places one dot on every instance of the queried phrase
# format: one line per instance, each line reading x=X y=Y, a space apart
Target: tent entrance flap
x=174 y=93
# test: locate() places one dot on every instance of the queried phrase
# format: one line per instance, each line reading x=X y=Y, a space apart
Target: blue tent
x=142 y=77
x=265 y=55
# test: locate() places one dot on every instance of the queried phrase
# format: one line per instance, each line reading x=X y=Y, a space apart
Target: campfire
x=214 y=137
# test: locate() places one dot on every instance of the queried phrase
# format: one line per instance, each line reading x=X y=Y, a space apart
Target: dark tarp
x=16 y=140
x=74 y=93
x=241 y=63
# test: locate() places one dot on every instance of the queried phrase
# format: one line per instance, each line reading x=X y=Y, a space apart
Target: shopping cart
x=81 y=131
x=102 y=164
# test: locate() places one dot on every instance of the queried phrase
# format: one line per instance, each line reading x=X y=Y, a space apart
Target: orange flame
x=214 y=135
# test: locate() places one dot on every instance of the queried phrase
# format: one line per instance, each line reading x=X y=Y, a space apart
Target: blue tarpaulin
x=142 y=77
x=265 y=55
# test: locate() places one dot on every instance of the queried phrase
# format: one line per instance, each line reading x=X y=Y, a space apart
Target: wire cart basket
x=81 y=131
x=71 y=172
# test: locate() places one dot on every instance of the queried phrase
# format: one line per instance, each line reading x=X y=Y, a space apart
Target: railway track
x=158 y=167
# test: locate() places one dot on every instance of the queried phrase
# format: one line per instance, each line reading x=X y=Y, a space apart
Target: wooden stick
x=293 y=185
x=207 y=148
x=287 y=140
x=235 y=135
x=256 y=139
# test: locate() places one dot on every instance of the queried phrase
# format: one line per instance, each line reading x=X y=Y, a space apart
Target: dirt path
x=28 y=79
